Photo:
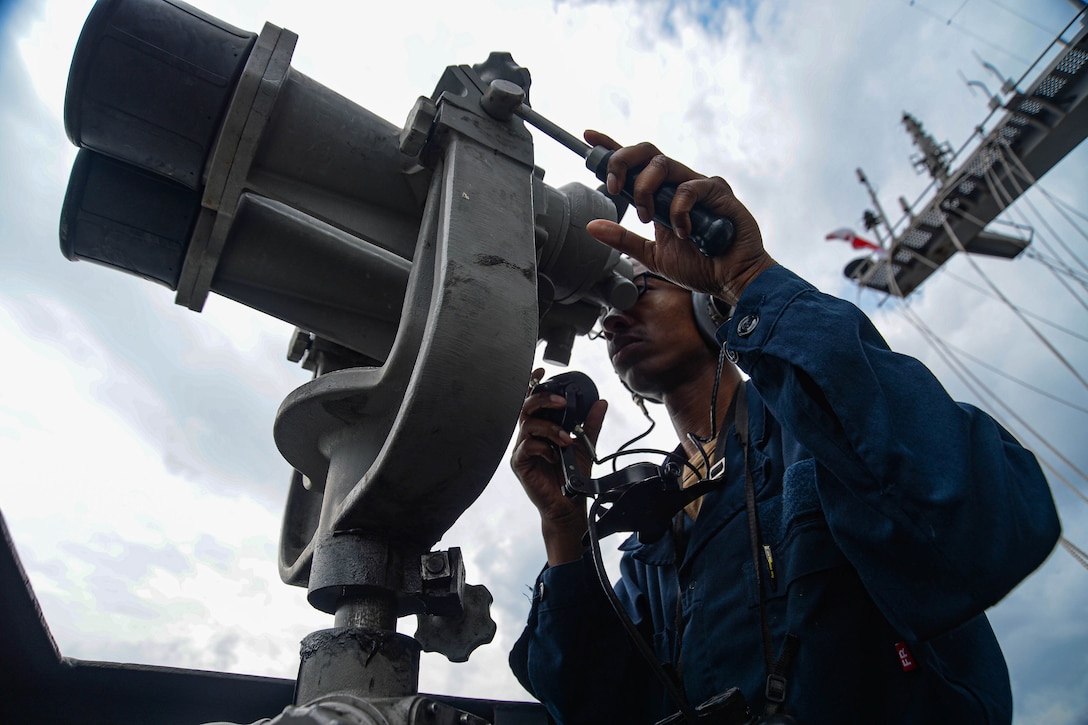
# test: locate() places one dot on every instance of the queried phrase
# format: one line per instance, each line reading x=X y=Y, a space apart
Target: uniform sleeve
x=575 y=657
x=938 y=508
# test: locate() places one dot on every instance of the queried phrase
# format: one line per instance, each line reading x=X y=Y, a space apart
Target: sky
x=143 y=488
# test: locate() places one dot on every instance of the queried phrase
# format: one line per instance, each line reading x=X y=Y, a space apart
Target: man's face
x=655 y=344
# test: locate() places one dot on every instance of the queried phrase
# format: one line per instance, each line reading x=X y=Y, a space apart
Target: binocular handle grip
x=712 y=234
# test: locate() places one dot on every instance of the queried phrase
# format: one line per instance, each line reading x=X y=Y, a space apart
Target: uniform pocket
x=806 y=550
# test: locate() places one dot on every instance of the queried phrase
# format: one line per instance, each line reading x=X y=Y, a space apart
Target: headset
x=710 y=314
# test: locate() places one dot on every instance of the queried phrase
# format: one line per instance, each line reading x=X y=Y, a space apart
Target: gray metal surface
x=457 y=636
x=416 y=251
x=277 y=142
x=397 y=453
x=405 y=448
x=346 y=710
x=363 y=663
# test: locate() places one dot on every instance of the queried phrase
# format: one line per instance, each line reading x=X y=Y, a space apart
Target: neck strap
x=775 y=688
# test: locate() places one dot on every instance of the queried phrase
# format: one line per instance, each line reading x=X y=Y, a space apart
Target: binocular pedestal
x=391 y=456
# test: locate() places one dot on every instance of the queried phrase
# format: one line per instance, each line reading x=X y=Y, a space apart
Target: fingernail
x=557 y=399
x=612 y=183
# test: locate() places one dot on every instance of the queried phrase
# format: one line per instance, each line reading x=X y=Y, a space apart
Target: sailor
x=839 y=568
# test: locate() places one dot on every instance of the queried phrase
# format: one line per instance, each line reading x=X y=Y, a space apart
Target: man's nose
x=613 y=321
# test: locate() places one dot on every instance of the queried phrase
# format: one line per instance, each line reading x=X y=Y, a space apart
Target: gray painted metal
x=300 y=203
x=450 y=389
x=457 y=636
x=416 y=250
x=359 y=662
x=346 y=710
x=276 y=142
x=403 y=449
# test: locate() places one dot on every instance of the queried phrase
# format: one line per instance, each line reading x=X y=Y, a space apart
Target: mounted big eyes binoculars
x=422 y=263
x=207 y=164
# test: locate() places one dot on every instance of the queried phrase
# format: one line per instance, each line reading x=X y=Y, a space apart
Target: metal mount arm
x=394 y=454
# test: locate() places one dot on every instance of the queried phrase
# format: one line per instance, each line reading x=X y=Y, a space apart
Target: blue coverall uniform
x=892 y=516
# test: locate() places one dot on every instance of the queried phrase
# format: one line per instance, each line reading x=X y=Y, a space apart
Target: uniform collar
x=721 y=505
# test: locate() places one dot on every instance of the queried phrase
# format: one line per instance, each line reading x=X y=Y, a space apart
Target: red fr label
x=906 y=659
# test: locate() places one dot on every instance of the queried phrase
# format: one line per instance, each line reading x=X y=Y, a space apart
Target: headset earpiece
x=710 y=314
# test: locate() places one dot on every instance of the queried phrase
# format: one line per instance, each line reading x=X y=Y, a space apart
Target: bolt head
x=435 y=563
x=413 y=137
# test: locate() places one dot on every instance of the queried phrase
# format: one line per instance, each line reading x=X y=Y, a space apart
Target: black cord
x=669 y=455
x=670 y=685
x=697 y=440
x=713 y=402
x=641 y=403
x=699 y=443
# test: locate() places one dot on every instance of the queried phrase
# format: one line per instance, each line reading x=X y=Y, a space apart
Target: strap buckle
x=776 y=689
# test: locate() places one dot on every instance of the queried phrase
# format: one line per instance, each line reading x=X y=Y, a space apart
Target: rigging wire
x=1006 y=199
x=998 y=371
x=1023 y=195
x=1055 y=265
x=956 y=367
x=944 y=270
x=975 y=36
x=1050 y=346
x=1060 y=207
x=1035 y=315
x=1057 y=272
x=988 y=178
x=991 y=179
x=963 y=373
x=1054 y=471
x=1074 y=551
x=953 y=15
x=1025 y=18
x=1058 y=201
x=987 y=292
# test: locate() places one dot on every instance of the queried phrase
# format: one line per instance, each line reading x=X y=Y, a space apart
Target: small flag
x=848 y=235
